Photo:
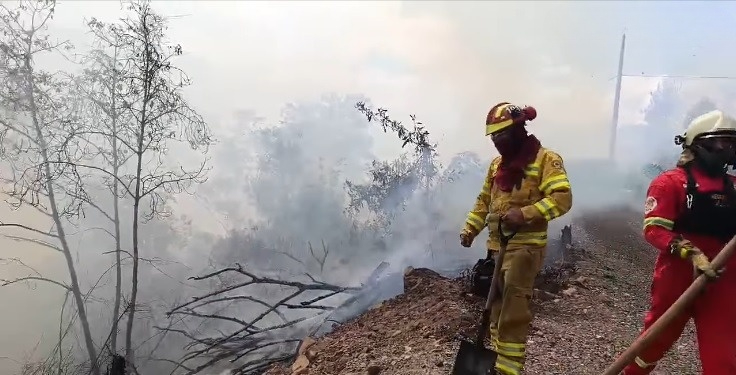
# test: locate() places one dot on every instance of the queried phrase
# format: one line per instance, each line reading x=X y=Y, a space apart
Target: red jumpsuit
x=702 y=209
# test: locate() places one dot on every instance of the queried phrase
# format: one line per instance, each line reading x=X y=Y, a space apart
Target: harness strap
x=692 y=187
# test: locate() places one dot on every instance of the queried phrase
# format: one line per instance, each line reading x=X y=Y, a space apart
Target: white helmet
x=713 y=124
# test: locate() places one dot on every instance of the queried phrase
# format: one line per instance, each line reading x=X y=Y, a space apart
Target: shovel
x=677 y=308
x=475 y=358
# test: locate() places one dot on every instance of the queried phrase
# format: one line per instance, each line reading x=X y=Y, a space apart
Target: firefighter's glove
x=684 y=249
x=702 y=264
x=466 y=239
x=513 y=218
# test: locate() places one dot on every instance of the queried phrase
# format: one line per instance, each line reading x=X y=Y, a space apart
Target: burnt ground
x=588 y=308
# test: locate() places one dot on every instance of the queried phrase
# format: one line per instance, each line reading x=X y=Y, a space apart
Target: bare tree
x=132 y=111
x=100 y=89
x=37 y=137
x=62 y=359
x=159 y=115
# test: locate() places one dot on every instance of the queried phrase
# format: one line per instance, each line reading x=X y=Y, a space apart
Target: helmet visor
x=722 y=144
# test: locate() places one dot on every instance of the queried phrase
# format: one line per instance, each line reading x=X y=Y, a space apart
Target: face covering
x=508 y=142
x=516 y=155
x=714 y=155
x=709 y=161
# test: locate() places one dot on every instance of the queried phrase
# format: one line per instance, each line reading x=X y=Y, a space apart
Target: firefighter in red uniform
x=689 y=215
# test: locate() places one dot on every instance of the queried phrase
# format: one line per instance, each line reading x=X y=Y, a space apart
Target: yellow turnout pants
x=511 y=315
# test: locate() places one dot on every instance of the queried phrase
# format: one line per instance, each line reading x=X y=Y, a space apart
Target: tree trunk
x=78 y=297
x=116 y=214
x=129 y=355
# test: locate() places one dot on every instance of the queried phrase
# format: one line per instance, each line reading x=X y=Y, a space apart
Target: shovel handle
x=486 y=318
x=504 y=238
x=495 y=280
x=685 y=300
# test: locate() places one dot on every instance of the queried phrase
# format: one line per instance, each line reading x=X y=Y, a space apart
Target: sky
x=446 y=62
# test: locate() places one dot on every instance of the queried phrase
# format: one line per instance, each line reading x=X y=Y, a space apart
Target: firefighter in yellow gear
x=527 y=187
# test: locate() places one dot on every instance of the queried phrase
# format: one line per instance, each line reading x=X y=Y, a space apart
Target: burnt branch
x=281 y=311
x=321 y=258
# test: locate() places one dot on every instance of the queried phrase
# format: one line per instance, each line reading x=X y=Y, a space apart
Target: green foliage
x=391 y=183
x=418 y=136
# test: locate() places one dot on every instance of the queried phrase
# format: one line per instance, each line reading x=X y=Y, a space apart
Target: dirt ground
x=587 y=310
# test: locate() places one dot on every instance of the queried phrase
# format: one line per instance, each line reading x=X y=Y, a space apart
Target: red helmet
x=504 y=114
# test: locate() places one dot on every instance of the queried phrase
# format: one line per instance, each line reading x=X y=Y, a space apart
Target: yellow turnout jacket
x=544 y=195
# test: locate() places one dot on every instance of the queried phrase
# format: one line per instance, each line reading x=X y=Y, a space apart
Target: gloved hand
x=513 y=218
x=700 y=261
x=466 y=239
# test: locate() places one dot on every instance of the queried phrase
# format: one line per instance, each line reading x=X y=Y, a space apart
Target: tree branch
x=251 y=338
x=30 y=229
x=6 y=282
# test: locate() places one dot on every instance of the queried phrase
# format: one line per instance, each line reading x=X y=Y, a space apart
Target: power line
x=674 y=76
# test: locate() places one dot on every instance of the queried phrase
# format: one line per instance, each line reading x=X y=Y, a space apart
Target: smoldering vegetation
x=122 y=174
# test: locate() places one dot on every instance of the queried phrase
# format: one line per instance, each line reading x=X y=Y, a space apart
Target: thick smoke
x=284 y=196
x=281 y=188
x=289 y=212
x=280 y=191
x=292 y=177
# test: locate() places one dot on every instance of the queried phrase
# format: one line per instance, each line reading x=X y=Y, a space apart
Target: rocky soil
x=588 y=308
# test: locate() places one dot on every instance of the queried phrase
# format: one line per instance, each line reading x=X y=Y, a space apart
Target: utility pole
x=617 y=100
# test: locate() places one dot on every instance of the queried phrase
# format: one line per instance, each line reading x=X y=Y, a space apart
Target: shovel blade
x=473 y=359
